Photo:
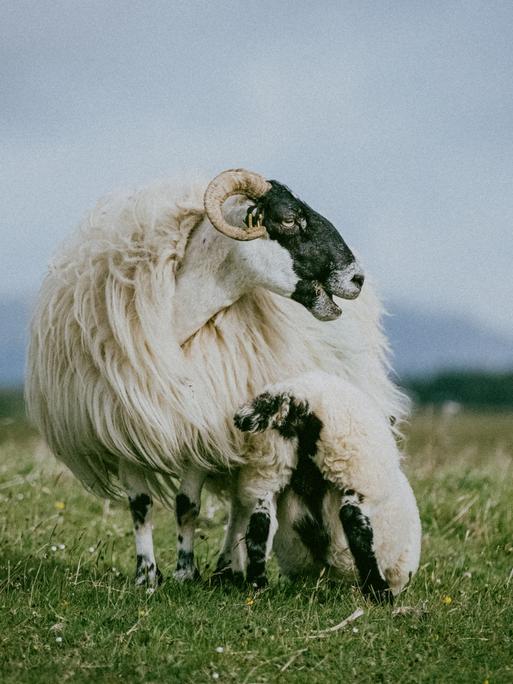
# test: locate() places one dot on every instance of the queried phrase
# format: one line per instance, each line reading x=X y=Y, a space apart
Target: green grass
x=68 y=611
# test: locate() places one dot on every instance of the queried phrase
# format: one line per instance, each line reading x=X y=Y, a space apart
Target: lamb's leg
x=188 y=502
x=141 y=504
x=360 y=537
x=248 y=542
x=231 y=563
x=259 y=539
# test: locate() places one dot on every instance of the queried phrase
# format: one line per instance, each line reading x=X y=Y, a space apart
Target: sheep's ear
x=280 y=411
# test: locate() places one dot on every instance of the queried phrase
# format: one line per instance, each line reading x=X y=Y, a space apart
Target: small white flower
x=91 y=549
x=355 y=630
x=219 y=649
x=58 y=640
x=53 y=548
x=215 y=675
x=62 y=547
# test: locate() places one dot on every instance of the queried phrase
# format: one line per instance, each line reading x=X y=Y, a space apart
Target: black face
x=321 y=259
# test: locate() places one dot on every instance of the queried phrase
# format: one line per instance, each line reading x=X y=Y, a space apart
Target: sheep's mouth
x=317 y=299
x=324 y=308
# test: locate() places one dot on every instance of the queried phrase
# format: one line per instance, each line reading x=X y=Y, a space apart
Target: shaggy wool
x=108 y=381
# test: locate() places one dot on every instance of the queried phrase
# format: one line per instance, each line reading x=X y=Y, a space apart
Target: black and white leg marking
x=259 y=539
x=141 y=504
x=308 y=483
x=292 y=418
x=146 y=572
x=360 y=537
x=188 y=501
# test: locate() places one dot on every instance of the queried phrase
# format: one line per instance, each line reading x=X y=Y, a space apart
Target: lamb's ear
x=280 y=411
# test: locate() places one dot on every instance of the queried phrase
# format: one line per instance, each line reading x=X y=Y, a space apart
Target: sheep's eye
x=288 y=223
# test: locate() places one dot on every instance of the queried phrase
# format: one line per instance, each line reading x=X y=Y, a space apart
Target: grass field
x=69 y=611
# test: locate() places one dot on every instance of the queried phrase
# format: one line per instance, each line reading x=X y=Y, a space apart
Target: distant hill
x=426 y=342
x=423 y=342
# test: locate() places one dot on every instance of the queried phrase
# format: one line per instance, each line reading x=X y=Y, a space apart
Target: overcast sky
x=394 y=119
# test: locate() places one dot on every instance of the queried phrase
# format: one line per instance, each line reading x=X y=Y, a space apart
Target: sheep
x=341 y=495
x=151 y=328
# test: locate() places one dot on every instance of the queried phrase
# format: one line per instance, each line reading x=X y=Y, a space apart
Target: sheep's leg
x=360 y=537
x=259 y=539
x=231 y=563
x=141 y=504
x=188 y=502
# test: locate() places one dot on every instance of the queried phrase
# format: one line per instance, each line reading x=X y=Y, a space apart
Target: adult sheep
x=152 y=328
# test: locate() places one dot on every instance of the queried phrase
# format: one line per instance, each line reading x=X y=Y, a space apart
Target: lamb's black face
x=321 y=259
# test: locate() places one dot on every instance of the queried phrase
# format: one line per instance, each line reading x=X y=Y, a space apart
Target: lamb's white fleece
x=356 y=450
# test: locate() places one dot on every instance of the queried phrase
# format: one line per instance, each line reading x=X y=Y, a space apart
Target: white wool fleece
x=356 y=450
x=111 y=383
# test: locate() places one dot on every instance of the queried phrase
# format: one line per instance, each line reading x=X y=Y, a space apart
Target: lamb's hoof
x=224 y=574
x=381 y=595
x=227 y=576
x=187 y=574
x=221 y=575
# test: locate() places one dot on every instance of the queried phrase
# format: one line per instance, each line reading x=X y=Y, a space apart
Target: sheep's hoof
x=188 y=574
x=148 y=576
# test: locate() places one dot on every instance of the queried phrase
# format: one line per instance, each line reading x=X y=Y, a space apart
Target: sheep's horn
x=234 y=182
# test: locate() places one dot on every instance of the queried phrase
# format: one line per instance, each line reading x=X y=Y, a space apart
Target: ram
x=151 y=328
x=342 y=498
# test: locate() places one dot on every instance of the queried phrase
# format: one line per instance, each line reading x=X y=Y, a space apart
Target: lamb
x=165 y=312
x=341 y=495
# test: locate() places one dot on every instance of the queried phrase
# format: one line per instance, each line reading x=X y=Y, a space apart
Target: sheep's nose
x=346 y=283
x=358 y=279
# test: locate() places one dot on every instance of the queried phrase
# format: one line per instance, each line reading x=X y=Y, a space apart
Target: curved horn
x=234 y=182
